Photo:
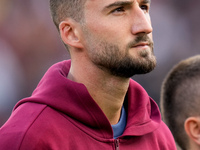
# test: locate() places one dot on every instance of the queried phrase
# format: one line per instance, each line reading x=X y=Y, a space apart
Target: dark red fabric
x=61 y=115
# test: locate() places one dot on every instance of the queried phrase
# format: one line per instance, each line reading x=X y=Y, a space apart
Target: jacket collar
x=73 y=100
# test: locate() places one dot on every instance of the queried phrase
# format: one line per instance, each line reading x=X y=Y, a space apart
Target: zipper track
x=116 y=144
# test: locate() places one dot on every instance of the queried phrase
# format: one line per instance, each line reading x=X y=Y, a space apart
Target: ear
x=192 y=128
x=70 y=33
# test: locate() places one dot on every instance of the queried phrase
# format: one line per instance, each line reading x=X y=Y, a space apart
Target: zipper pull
x=117 y=144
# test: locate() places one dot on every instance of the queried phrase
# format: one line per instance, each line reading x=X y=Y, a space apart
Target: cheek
x=116 y=34
x=151 y=36
x=106 y=28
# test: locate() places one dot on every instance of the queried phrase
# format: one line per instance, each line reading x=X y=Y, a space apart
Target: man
x=90 y=102
x=180 y=102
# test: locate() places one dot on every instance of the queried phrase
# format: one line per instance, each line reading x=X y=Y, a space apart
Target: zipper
x=116 y=144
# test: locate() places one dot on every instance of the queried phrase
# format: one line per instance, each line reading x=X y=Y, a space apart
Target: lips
x=141 y=44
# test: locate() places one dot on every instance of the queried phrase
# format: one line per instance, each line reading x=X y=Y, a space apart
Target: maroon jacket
x=61 y=115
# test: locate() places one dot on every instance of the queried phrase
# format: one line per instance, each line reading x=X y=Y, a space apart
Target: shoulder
x=13 y=132
x=165 y=137
x=34 y=125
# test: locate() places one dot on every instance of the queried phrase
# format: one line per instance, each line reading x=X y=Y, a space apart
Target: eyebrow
x=120 y=3
x=125 y=3
x=145 y=1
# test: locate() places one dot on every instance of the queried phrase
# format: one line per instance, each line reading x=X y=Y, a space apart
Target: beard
x=112 y=59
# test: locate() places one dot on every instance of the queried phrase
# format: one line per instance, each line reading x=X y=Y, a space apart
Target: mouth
x=141 y=44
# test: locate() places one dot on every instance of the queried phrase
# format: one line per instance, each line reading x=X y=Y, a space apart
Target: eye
x=145 y=8
x=118 y=10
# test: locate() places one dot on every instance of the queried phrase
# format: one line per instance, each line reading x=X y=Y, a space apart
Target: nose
x=141 y=22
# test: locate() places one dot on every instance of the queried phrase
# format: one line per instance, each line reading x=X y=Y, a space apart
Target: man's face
x=118 y=36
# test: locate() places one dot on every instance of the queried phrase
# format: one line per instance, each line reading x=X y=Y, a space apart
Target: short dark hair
x=61 y=9
x=180 y=97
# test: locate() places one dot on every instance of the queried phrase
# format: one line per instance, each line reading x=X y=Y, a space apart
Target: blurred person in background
x=11 y=74
x=29 y=44
x=11 y=78
x=90 y=101
x=180 y=102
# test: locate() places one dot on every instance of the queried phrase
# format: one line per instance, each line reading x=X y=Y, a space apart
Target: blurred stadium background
x=30 y=44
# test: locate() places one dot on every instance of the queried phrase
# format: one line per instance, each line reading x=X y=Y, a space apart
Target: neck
x=107 y=90
x=193 y=145
x=109 y=96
